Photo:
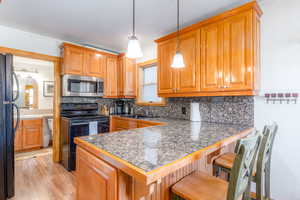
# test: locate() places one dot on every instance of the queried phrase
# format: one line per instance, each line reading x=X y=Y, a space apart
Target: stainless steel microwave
x=82 y=86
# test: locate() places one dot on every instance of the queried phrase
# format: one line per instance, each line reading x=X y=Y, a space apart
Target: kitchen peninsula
x=143 y=163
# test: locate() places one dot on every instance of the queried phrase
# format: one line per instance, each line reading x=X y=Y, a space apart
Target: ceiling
x=106 y=23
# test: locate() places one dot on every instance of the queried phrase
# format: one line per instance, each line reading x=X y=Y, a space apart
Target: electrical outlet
x=183 y=110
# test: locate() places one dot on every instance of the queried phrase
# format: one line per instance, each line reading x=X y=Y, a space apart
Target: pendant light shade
x=133 y=49
x=178 y=61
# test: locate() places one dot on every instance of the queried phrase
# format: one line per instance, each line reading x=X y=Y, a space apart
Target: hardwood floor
x=40 y=179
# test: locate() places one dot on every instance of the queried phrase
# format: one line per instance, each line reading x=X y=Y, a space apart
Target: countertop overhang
x=150 y=153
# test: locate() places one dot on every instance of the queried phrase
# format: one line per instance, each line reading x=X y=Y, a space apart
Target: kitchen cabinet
x=185 y=80
x=188 y=78
x=73 y=59
x=122 y=123
x=111 y=78
x=127 y=77
x=82 y=61
x=95 y=64
x=238 y=51
x=166 y=74
x=211 y=58
x=221 y=54
x=95 y=178
x=29 y=135
x=18 y=138
x=120 y=77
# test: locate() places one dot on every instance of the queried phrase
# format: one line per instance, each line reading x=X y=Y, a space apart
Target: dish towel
x=93 y=128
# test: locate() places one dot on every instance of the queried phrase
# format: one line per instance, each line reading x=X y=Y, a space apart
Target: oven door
x=82 y=86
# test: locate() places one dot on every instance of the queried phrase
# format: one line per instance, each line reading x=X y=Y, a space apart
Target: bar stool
x=263 y=163
x=200 y=186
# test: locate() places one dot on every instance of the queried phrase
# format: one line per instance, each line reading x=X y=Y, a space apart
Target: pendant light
x=134 y=49
x=178 y=61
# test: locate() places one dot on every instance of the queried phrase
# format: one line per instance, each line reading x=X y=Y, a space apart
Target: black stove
x=79 y=119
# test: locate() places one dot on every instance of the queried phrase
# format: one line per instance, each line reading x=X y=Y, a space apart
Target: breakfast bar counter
x=145 y=162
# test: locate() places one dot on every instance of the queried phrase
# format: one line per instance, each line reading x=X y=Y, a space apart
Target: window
x=147 y=88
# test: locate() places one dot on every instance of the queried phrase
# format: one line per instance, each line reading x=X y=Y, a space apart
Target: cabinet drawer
x=32 y=122
x=125 y=124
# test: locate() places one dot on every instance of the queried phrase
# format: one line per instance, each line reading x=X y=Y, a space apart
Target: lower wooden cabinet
x=120 y=124
x=123 y=123
x=95 y=178
x=29 y=135
x=18 y=138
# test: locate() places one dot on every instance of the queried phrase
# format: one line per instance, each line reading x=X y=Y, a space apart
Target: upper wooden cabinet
x=221 y=55
x=166 y=75
x=120 y=78
x=127 y=77
x=95 y=64
x=83 y=61
x=211 y=57
x=176 y=81
x=73 y=60
x=111 y=78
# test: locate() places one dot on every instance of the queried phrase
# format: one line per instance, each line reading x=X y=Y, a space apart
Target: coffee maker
x=121 y=107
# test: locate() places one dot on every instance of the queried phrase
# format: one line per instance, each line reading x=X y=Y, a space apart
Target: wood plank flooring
x=40 y=179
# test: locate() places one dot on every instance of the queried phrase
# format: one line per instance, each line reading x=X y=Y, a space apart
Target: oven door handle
x=78 y=124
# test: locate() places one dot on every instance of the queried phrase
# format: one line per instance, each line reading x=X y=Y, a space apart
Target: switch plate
x=183 y=110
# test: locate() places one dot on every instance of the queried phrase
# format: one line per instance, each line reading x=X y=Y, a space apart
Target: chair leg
x=259 y=186
x=216 y=170
x=267 y=182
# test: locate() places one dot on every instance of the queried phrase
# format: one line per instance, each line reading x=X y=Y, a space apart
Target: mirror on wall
x=28 y=98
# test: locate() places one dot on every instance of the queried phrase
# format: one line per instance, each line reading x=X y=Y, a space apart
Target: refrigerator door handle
x=18 y=118
x=18 y=86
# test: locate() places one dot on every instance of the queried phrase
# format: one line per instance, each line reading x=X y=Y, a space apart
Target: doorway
x=35 y=89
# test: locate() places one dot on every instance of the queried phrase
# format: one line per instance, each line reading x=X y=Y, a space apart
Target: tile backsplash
x=229 y=110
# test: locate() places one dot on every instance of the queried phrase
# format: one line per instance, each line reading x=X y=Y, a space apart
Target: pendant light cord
x=133 y=20
x=177 y=25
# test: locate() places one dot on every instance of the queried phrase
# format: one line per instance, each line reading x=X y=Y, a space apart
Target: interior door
x=211 y=58
x=238 y=50
x=189 y=77
x=166 y=75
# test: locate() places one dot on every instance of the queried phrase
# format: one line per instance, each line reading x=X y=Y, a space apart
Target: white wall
x=14 y=38
x=280 y=42
x=45 y=73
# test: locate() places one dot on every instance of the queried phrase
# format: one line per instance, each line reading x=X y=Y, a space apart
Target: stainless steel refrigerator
x=8 y=125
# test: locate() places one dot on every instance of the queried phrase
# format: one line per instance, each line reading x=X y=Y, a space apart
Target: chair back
x=241 y=173
x=264 y=161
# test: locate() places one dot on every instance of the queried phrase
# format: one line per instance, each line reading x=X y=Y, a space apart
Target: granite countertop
x=152 y=147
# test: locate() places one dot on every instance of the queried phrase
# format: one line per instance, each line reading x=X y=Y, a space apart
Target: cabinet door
x=238 y=49
x=73 y=60
x=32 y=133
x=121 y=66
x=95 y=178
x=95 y=64
x=188 y=79
x=166 y=75
x=211 y=58
x=18 y=138
x=111 y=78
x=129 y=74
